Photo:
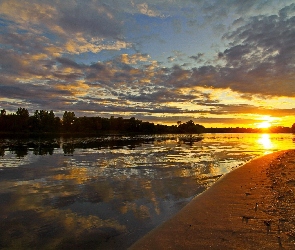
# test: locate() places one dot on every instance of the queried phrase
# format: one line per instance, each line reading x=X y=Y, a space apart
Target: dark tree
x=191 y=127
x=133 y=125
x=3 y=112
x=20 y=122
x=23 y=112
x=3 y=121
x=44 y=121
x=68 y=121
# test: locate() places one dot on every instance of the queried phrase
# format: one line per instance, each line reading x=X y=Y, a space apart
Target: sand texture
x=253 y=207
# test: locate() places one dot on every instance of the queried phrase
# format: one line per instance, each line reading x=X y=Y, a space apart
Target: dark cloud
x=34 y=97
x=25 y=42
x=93 y=18
x=68 y=62
x=160 y=96
x=264 y=54
x=287 y=11
x=12 y=65
x=222 y=8
x=121 y=106
x=198 y=57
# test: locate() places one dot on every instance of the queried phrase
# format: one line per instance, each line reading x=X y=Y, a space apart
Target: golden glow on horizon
x=264 y=124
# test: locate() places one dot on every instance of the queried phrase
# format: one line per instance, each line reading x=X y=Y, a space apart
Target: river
x=107 y=192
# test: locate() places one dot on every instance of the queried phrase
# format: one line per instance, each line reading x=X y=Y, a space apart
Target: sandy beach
x=252 y=207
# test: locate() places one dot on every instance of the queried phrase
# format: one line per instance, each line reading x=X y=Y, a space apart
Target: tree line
x=43 y=121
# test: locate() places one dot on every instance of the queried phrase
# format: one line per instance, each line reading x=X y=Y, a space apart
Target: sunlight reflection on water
x=266 y=142
x=107 y=196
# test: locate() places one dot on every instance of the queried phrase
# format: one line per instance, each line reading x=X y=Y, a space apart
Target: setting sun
x=264 y=124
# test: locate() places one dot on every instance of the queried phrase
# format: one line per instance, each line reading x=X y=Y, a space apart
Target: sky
x=220 y=63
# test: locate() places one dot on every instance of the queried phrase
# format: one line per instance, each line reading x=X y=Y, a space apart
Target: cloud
x=33 y=96
x=27 y=12
x=92 y=18
x=77 y=88
x=73 y=27
x=68 y=62
x=89 y=18
x=227 y=109
x=58 y=53
x=144 y=9
x=198 y=58
x=228 y=121
x=262 y=55
x=135 y=58
x=161 y=96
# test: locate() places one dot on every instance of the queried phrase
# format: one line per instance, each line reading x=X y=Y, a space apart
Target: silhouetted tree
x=133 y=125
x=22 y=112
x=147 y=127
x=87 y=124
x=68 y=121
x=191 y=127
x=3 y=112
x=20 y=120
x=3 y=123
x=44 y=121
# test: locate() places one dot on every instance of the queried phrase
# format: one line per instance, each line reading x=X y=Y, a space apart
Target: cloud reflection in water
x=109 y=197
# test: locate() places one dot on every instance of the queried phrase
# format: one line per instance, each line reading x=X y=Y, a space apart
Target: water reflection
x=266 y=142
x=88 y=194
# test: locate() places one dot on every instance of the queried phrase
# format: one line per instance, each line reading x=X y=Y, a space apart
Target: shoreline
x=251 y=207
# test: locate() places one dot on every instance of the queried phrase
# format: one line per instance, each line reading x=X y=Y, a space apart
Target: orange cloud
x=78 y=88
x=133 y=59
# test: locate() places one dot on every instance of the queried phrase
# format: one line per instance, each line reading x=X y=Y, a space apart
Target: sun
x=264 y=124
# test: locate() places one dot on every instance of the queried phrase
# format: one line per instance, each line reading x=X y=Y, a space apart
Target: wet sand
x=253 y=207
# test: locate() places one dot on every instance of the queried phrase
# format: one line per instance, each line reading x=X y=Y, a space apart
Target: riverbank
x=252 y=207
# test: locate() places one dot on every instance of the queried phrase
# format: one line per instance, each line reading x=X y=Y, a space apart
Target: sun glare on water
x=266 y=143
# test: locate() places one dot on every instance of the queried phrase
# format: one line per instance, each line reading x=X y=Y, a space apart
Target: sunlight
x=265 y=141
x=264 y=124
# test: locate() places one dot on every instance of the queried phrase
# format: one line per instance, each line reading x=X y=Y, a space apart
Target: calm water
x=105 y=193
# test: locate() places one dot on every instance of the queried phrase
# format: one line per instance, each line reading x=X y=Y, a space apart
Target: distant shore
x=252 y=207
